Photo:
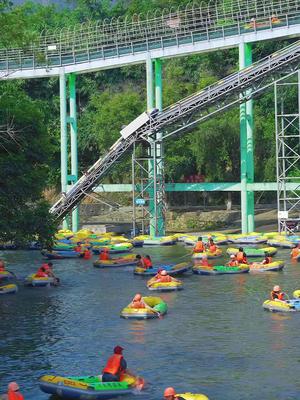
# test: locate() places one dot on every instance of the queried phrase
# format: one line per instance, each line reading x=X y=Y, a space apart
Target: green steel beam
x=74 y=150
x=201 y=187
x=159 y=149
x=63 y=136
x=246 y=144
x=150 y=106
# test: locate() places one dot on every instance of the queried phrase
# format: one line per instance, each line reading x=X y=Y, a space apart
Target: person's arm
x=123 y=364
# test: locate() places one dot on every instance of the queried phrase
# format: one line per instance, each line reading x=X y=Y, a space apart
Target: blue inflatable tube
x=67 y=392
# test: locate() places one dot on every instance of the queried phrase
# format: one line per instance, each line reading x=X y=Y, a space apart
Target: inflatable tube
x=249 y=240
x=121 y=262
x=173 y=269
x=296 y=294
x=282 y=306
x=33 y=280
x=60 y=255
x=160 y=241
x=252 y=252
x=208 y=254
x=8 y=289
x=164 y=286
x=114 y=248
x=271 y=267
x=6 y=276
x=89 y=387
x=193 y=396
x=285 y=244
x=220 y=270
x=157 y=308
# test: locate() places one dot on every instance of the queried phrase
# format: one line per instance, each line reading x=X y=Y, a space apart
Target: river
x=216 y=339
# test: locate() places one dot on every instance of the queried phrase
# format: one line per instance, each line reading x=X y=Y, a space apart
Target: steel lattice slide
x=183 y=115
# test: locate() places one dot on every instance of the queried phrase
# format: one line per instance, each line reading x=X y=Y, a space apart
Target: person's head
x=118 y=350
x=232 y=256
x=169 y=393
x=13 y=387
x=266 y=254
x=78 y=243
x=137 y=297
x=138 y=257
x=148 y=257
x=276 y=288
x=199 y=238
x=211 y=241
x=50 y=264
x=164 y=272
x=1 y=263
x=209 y=237
x=241 y=249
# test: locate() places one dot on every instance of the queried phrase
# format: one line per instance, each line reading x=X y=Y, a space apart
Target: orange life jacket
x=204 y=263
x=104 y=256
x=277 y=295
x=14 y=395
x=41 y=273
x=113 y=365
x=147 y=263
x=295 y=252
x=78 y=249
x=165 y=278
x=233 y=263
x=137 y=304
x=199 y=247
x=241 y=258
x=86 y=255
x=212 y=248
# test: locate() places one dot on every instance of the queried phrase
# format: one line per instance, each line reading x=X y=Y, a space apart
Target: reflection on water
x=215 y=339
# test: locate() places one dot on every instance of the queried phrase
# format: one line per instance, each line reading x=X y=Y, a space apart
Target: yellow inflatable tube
x=193 y=396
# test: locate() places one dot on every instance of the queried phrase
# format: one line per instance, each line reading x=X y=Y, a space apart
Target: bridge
x=150 y=39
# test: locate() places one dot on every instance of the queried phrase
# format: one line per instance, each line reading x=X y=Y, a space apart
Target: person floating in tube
x=116 y=365
x=277 y=294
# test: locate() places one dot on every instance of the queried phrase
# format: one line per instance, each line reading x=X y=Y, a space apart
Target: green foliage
x=24 y=153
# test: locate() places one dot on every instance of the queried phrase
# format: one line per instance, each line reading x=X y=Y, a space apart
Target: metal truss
x=162 y=28
x=148 y=189
x=287 y=121
x=185 y=114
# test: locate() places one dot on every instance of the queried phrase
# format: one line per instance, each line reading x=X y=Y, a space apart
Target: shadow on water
x=215 y=339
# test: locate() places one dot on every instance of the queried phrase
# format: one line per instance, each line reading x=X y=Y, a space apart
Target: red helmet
x=169 y=392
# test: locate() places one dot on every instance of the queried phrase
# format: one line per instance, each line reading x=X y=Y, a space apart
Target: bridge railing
x=118 y=37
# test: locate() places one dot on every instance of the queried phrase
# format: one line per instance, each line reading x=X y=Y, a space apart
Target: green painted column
x=150 y=106
x=159 y=145
x=246 y=144
x=74 y=152
x=63 y=136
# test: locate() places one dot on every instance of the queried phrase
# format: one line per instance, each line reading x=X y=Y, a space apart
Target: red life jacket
x=277 y=295
x=233 y=263
x=113 y=365
x=2 y=269
x=104 y=256
x=205 y=263
x=14 y=395
x=165 y=278
x=137 y=304
x=241 y=258
x=86 y=255
x=212 y=248
x=147 y=263
x=78 y=249
x=41 y=273
x=199 y=247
